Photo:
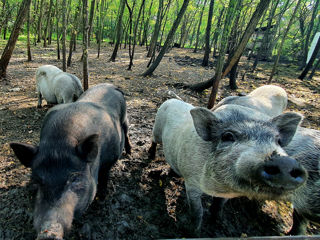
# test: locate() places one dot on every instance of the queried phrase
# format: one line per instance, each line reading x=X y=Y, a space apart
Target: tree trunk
x=314 y=69
x=262 y=51
x=199 y=25
x=173 y=29
x=64 y=35
x=100 y=39
x=131 y=54
x=309 y=30
x=48 y=24
x=85 y=45
x=156 y=31
x=146 y=26
x=222 y=51
x=7 y=52
x=28 y=36
x=205 y=61
x=73 y=35
x=57 y=29
x=91 y=19
x=282 y=41
x=311 y=61
x=40 y=21
x=118 y=32
x=262 y=6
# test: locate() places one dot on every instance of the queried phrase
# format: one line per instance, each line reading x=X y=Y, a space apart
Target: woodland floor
x=146 y=199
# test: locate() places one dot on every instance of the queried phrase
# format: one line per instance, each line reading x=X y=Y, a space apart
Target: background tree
x=7 y=52
x=205 y=60
x=85 y=44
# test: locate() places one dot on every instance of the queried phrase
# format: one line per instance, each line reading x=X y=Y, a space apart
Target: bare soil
x=146 y=199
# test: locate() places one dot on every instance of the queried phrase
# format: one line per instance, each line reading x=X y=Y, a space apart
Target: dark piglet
x=79 y=143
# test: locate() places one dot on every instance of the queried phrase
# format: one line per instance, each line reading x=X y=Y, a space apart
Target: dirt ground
x=146 y=199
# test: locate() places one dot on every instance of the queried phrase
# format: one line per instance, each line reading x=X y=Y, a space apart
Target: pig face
x=66 y=182
x=247 y=156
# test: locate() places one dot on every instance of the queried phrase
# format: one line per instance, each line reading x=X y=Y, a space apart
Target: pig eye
x=278 y=140
x=227 y=137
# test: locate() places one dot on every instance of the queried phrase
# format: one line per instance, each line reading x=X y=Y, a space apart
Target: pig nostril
x=295 y=173
x=271 y=170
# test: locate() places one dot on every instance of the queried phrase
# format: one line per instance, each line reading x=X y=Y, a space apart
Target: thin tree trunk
x=262 y=6
x=146 y=26
x=118 y=32
x=199 y=25
x=91 y=19
x=40 y=21
x=48 y=24
x=64 y=35
x=7 y=52
x=205 y=61
x=316 y=66
x=222 y=51
x=57 y=29
x=308 y=35
x=28 y=36
x=85 y=45
x=156 y=31
x=169 y=39
x=100 y=39
x=73 y=35
x=282 y=41
x=311 y=61
x=135 y=35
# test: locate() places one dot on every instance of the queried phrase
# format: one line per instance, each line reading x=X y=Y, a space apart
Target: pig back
x=108 y=97
x=64 y=127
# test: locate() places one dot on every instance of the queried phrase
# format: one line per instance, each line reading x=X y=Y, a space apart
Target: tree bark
x=311 y=61
x=118 y=32
x=64 y=35
x=199 y=26
x=100 y=38
x=156 y=31
x=85 y=45
x=222 y=51
x=28 y=36
x=57 y=29
x=40 y=21
x=282 y=41
x=48 y=24
x=91 y=19
x=73 y=35
x=7 y=52
x=173 y=29
x=309 y=30
x=205 y=60
x=316 y=66
x=262 y=6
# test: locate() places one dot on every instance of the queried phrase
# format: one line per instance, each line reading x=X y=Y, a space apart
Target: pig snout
x=282 y=172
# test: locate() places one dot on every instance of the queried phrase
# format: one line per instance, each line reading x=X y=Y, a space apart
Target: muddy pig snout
x=282 y=172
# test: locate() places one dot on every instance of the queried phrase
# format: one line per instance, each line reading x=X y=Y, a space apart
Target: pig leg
x=127 y=144
x=103 y=181
x=152 y=150
x=39 y=99
x=217 y=207
x=299 y=226
x=195 y=205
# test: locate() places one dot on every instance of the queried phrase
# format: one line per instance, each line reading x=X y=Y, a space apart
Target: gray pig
x=57 y=86
x=79 y=143
x=227 y=153
x=304 y=147
x=269 y=99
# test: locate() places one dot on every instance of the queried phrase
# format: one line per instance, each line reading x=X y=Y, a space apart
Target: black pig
x=79 y=143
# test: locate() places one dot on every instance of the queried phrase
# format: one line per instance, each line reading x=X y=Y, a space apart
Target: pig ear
x=205 y=123
x=24 y=152
x=88 y=148
x=287 y=124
